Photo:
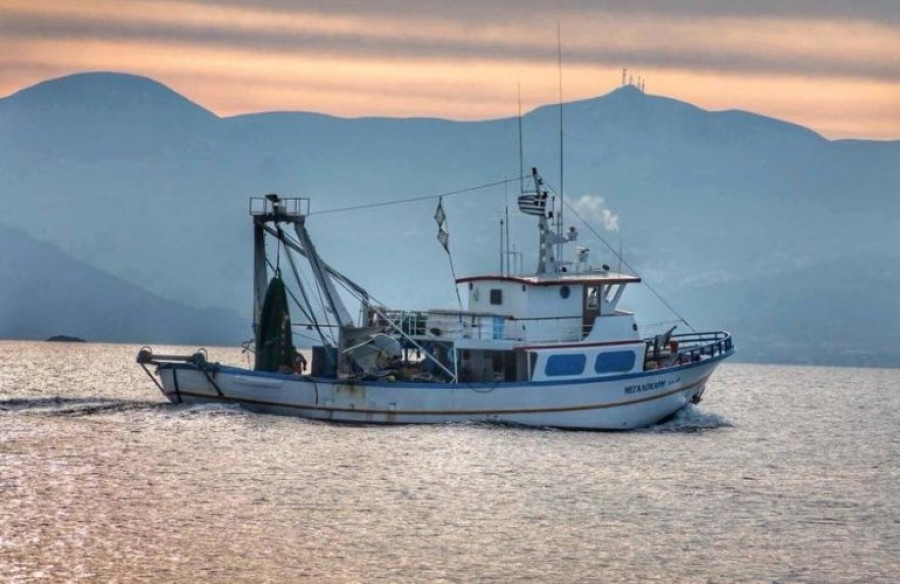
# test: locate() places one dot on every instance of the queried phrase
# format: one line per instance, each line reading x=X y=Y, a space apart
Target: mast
x=535 y=203
x=559 y=217
x=501 y=247
x=272 y=209
x=260 y=276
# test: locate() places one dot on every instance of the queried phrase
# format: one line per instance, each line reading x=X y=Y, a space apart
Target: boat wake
x=691 y=419
x=212 y=409
x=89 y=406
x=76 y=406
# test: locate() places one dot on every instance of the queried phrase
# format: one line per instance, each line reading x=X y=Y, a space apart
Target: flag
x=443 y=234
x=439 y=216
x=533 y=204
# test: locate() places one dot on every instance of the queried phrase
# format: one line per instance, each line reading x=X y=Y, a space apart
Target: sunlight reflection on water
x=781 y=474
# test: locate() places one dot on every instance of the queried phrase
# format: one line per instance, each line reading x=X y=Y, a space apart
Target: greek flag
x=443 y=234
x=533 y=204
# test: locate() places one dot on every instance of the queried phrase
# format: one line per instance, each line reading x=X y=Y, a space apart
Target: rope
x=278 y=252
x=311 y=314
x=416 y=199
x=294 y=298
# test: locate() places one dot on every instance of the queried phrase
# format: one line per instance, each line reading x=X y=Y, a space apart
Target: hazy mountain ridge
x=841 y=312
x=153 y=188
x=46 y=293
x=116 y=115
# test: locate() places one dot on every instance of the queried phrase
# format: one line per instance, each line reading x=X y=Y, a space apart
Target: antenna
x=624 y=70
x=501 y=247
x=504 y=235
x=559 y=219
x=508 y=271
x=521 y=148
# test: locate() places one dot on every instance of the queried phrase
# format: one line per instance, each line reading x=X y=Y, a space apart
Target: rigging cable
x=311 y=314
x=627 y=265
x=468 y=190
x=294 y=298
x=303 y=285
x=318 y=289
x=298 y=276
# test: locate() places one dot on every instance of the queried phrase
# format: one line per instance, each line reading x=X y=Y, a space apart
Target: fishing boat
x=549 y=348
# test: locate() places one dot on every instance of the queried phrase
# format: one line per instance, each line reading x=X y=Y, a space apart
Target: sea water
x=781 y=474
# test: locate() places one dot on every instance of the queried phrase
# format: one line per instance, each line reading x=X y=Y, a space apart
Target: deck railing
x=688 y=347
x=451 y=325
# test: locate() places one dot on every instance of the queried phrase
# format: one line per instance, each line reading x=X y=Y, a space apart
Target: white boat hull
x=612 y=403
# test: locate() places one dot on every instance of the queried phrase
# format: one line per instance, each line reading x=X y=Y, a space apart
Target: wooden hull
x=620 y=402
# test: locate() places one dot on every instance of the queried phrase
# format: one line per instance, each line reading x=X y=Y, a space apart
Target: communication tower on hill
x=628 y=79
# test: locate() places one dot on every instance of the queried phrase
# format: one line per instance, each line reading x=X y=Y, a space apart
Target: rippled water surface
x=782 y=474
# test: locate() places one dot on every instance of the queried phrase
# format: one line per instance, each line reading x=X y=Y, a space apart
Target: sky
x=831 y=65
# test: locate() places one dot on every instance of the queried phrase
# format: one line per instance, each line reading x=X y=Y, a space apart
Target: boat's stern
x=175 y=372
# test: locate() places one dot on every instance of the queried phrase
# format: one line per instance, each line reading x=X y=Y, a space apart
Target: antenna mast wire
x=465 y=191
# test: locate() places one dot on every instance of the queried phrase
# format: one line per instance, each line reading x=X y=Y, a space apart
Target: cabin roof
x=559 y=279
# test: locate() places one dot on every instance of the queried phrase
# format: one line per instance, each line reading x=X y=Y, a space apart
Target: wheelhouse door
x=590 y=308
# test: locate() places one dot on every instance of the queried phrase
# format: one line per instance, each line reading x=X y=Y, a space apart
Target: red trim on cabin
x=578 y=279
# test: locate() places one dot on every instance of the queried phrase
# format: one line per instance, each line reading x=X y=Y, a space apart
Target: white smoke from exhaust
x=593 y=208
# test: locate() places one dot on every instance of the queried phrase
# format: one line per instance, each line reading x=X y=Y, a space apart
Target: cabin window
x=571 y=364
x=564 y=292
x=611 y=292
x=496 y=296
x=614 y=362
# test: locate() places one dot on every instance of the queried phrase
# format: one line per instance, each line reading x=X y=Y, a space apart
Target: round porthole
x=564 y=292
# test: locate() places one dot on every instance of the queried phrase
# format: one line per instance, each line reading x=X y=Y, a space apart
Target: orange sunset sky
x=831 y=65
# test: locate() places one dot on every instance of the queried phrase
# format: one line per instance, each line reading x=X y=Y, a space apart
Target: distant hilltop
x=103 y=92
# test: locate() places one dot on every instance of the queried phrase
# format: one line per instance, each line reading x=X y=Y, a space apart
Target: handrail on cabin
x=691 y=347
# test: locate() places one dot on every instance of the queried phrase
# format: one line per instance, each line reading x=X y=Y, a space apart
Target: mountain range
x=47 y=293
x=718 y=210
